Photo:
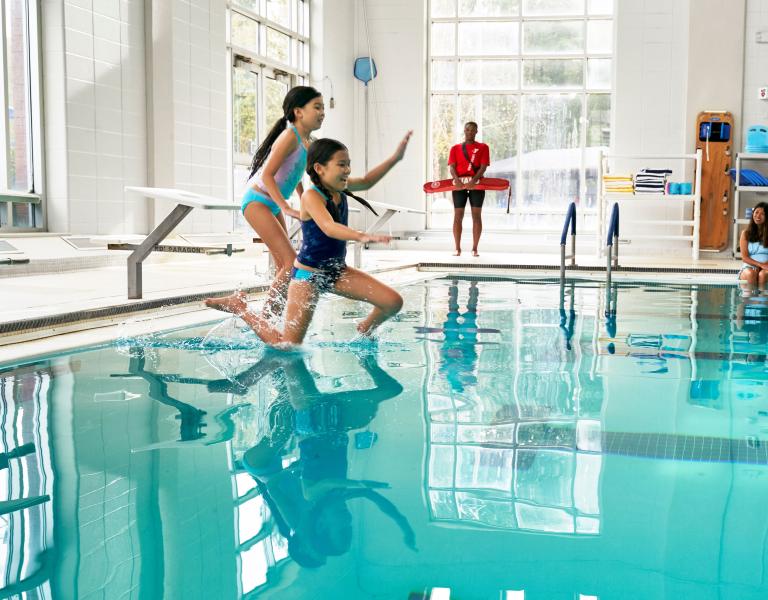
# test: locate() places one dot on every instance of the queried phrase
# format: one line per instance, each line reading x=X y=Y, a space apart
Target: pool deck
x=56 y=294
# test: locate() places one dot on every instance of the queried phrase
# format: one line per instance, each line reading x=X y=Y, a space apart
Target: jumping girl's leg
x=358 y=285
x=302 y=299
x=273 y=232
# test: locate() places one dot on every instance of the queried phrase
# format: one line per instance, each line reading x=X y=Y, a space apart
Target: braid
x=330 y=205
x=362 y=201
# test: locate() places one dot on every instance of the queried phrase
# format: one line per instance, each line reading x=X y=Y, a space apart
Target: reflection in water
x=26 y=484
x=308 y=496
x=529 y=460
x=172 y=481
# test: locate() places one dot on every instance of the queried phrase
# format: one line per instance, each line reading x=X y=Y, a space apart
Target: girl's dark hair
x=296 y=97
x=755 y=232
x=320 y=152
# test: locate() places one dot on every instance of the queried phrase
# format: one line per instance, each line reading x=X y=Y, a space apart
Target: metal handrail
x=570 y=219
x=612 y=243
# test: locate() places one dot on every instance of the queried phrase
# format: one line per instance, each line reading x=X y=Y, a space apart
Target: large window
x=20 y=205
x=536 y=75
x=269 y=43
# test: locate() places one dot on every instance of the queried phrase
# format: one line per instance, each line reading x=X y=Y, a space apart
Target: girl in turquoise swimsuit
x=320 y=266
x=754 y=248
x=276 y=172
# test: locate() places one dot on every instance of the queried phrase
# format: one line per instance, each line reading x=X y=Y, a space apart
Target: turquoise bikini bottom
x=252 y=195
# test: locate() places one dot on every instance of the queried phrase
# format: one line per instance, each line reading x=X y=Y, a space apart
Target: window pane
x=443 y=39
x=304 y=5
x=252 y=5
x=489 y=8
x=443 y=75
x=23 y=214
x=535 y=8
x=499 y=126
x=488 y=74
x=245 y=32
x=544 y=73
x=244 y=84
x=470 y=109
x=278 y=45
x=491 y=39
x=279 y=11
x=600 y=7
x=551 y=121
x=443 y=8
x=600 y=37
x=443 y=115
x=551 y=161
x=274 y=92
x=599 y=120
x=599 y=73
x=19 y=118
x=553 y=37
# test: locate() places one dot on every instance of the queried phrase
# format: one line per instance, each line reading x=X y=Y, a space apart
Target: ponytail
x=296 y=97
x=266 y=146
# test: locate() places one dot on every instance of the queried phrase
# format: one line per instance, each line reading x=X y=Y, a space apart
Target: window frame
x=35 y=195
x=519 y=92
x=264 y=68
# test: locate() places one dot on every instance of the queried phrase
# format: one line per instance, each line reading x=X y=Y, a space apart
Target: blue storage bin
x=757 y=139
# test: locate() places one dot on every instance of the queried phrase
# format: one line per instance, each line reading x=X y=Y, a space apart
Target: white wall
x=397 y=30
x=93 y=56
x=101 y=59
x=755 y=65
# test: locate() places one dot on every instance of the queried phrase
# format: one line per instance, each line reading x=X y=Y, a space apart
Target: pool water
x=503 y=439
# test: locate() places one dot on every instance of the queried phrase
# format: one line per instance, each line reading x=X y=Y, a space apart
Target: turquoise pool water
x=504 y=439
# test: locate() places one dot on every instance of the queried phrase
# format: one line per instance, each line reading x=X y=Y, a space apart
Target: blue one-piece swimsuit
x=322 y=252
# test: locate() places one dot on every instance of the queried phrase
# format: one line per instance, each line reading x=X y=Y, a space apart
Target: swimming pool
x=505 y=438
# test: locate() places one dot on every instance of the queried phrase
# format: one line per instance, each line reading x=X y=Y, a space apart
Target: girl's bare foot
x=234 y=304
x=475 y=254
x=457 y=252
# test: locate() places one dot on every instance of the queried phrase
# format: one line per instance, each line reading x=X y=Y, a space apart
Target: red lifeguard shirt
x=478 y=153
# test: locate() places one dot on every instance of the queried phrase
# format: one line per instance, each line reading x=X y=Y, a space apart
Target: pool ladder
x=570 y=219
x=612 y=245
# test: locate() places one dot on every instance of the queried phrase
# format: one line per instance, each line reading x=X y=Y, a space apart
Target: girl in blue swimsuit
x=754 y=248
x=320 y=265
x=276 y=171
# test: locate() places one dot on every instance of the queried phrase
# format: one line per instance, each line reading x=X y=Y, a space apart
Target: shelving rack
x=737 y=190
x=651 y=200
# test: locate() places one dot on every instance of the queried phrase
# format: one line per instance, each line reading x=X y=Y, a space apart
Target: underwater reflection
x=308 y=493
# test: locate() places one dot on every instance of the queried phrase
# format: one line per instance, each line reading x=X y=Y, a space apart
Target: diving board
x=185 y=203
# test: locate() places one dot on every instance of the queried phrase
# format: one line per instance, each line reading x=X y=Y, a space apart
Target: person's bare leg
x=762 y=278
x=748 y=276
x=273 y=231
x=458 y=217
x=477 y=228
x=299 y=309
x=358 y=285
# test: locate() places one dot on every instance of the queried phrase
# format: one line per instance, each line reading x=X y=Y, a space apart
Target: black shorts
x=476 y=198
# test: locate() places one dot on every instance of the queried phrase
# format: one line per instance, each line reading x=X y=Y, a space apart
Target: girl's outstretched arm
x=372 y=177
x=314 y=205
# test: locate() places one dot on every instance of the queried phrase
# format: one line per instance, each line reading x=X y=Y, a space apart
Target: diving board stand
x=390 y=210
x=185 y=202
